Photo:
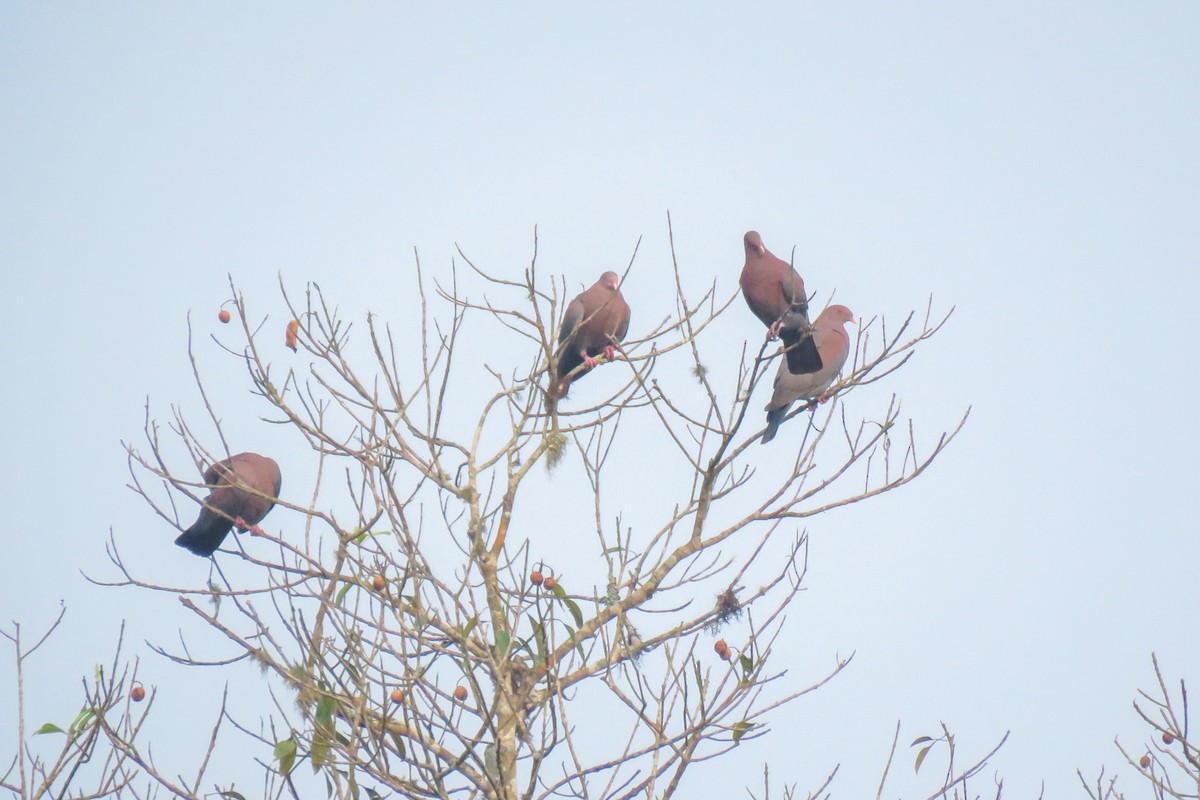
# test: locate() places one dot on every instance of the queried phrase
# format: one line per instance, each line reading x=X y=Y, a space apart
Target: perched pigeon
x=829 y=334
x=238 y=486
x=594 y=320
x=775 y=293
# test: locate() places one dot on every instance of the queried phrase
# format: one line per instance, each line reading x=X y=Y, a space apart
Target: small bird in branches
x=244 y=489
x=833 y=344
x=596 y=320
x=775 y=293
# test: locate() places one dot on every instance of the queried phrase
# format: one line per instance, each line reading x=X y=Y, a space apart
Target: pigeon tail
x=568 y=363
x=206 y=535
x=774 y=419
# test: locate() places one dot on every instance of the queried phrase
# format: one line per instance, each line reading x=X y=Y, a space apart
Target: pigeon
x=244 y=490
x=833 y=343
x=775 y=293
x=595 y=320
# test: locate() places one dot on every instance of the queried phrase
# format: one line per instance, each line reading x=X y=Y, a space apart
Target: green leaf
x=325 y=708
x=575 y=641
x=362 y=537
x=576 y=614
x=921 y=757
x=747 y=664
x=502 y=640
x=285 y=754
x=341 y=595
x=561 y=594
x=231 y=795
x=374 y=795
x=539 y=635
x=81 y=721
x=740 y=728
x=49 y=727
x=470 y=626
x=319 y=754
x=921 y=739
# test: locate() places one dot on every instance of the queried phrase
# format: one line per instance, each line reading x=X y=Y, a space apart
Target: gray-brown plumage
x=775 y=293
x=244 y=489
x=595 y=320
x=829 y=334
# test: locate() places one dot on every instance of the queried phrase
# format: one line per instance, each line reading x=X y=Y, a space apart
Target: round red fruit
x=137 y=693
x=1145 y=762
x=224 y=316
x=1168 y=737
x=378 y=583
x=535 y=578
x=397 y=695
x=550 y=582
x=460 y=693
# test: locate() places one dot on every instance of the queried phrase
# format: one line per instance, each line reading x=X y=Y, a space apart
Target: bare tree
x=418 y=641
x=96 y=754
x=1170 y=761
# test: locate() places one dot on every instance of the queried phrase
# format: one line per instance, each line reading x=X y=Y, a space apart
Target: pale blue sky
x=1034 y=164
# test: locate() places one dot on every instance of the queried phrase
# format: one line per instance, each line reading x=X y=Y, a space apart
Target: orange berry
x=460 y=693
x=378 y=583
x=1168 y=737
x=721 y=649
x=1145 y=762
x=535 y=578
x=550 y=583
x=224 y=316
x=137 y=693
x=397 y=695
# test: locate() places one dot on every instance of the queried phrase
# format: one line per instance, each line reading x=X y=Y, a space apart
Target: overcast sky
x=1035 y=165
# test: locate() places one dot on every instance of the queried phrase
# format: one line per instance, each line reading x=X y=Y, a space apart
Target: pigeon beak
x=762 y=250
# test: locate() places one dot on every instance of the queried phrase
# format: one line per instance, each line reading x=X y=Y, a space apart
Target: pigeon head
x=754 y=244
x=836 y=315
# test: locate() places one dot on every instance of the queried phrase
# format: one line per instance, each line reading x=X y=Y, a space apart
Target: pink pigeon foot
x=591 y=362
x=256 y=531
x=240 y=523
x=773 y=330
x=610 y=353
